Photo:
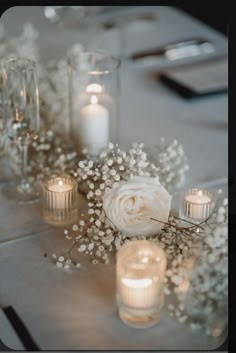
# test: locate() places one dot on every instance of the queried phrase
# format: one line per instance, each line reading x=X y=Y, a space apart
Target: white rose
x=129 y=205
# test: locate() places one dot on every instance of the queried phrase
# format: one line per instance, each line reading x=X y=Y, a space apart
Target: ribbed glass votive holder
x=140 y=271
x=197 y=204
x=60 y=201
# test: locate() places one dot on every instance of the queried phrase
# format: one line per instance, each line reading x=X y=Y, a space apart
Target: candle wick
x=94 y=100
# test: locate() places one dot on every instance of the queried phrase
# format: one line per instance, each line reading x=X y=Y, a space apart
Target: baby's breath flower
x=82 y=248
x=90 y=246
x=90 y=194
x=112 y=172
x=109 y=162
x=98 y=223
x=98 y=192
x=103 y=155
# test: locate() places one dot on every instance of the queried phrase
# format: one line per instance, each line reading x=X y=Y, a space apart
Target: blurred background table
x=76 y=310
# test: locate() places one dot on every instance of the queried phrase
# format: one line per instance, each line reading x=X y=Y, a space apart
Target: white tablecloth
x=76 y=309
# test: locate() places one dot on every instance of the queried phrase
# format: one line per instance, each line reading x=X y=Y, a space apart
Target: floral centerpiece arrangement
x=128 y=196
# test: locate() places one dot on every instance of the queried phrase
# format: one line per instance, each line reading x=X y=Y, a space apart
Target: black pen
x=20 y=329
x=177 y=50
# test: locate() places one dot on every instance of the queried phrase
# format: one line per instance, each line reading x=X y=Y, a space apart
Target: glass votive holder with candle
x=140 y=272
x=60 y=200
x=93 y=100
x=197 y=204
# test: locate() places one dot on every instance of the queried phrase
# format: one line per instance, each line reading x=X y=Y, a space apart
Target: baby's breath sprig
x=201 y=280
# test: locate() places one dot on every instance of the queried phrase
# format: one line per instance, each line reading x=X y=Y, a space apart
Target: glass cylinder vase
x=93 y=100
x=140 y=271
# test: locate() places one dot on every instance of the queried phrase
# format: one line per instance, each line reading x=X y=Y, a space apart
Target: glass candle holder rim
x=72 y=180
x=33 y=63
x=204 y=191
x=105 y=53
x=128 y=261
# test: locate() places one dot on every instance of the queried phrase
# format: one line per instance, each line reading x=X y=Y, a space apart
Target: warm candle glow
x=94 y=87
x=94 y=100
x=60 y=183
x=137 y=283
x=140 y=283
x=144 y=260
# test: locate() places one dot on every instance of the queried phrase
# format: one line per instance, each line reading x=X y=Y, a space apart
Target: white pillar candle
x=94 y=126
x=198 y=204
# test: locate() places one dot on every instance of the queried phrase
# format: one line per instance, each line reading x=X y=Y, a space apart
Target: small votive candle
x=140 y=271
x=197 y=204
x=60 y=200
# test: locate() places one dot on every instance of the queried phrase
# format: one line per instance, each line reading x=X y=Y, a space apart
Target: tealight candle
x=197 y=204
x=60 y=193
x=94 y=126
x=140 y=274
x=60 y=200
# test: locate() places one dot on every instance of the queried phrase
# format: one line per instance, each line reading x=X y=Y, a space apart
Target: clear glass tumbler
x=93 y=100
x=140 y=272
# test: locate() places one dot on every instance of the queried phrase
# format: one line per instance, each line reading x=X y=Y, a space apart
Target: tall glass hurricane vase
x=93 y=100
x=19 y=77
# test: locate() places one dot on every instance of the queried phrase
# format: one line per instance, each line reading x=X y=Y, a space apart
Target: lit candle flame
x=94 y=100
x=144 y=259
x=200 y=193
x=137 y=283
x=94 y=87
x=60 y=183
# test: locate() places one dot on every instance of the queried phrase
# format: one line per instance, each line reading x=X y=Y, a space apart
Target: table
x=76 y=310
